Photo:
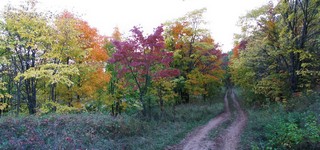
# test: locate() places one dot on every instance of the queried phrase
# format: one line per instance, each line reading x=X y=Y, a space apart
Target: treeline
x=59 y=63
x=277 y=54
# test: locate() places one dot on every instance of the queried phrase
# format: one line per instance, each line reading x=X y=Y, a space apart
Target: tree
x=81 y=46
x=26 y=36
x=300 y=30
x=93 y=77
x=4 y=70
x=163 y=88
x=194 y=53
x=139 y=56
x=48 y=57
x=115 y=88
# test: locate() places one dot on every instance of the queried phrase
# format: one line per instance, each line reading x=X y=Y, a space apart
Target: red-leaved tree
x=144 y=60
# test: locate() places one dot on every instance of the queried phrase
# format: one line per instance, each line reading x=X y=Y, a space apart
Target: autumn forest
x=63 y=85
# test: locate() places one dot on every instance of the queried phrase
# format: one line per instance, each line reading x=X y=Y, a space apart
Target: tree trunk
x=52 y=92
x=112 y=110
x=33 y=85
x=149 y=107
x=293 y=74
x=34 y=95
x=118 y=109
x=144 y=111
x=161 y=102
x=160 y=99
x=53 y=95
x=18 y=85
x=185 y=96
x=30 y=96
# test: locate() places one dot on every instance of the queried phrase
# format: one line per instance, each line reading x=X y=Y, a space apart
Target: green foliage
x=195 y=54
x=285 y=127
x=51 y=73
x=26 y=36
x=3 y=106
x=50 y=107
x=281 y=56
x=164 y=90
x=3 y=93
x=284 y=134
x=312 y=128
x=196 y=82
x=271 y=86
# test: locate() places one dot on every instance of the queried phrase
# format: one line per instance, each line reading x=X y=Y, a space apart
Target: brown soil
x=228 y=140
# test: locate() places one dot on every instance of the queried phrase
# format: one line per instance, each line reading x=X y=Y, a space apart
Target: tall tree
x=115 y=89
x=80 y=45
x=93 y=77
x=143 y=58
x=195 y=53
x=26 y=37
x=300 y=22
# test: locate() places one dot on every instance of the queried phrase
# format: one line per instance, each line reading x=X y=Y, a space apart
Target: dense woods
x=58 y=63
x=277 y=54
x=57 y=71
x=275 y=62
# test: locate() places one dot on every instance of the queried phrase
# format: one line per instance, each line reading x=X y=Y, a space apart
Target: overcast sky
x=221 y=15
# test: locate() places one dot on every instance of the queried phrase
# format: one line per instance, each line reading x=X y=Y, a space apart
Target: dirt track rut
x=227 y=140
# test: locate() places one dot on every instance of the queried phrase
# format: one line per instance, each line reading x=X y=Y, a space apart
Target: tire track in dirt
x=229 y=139
x=197 y=139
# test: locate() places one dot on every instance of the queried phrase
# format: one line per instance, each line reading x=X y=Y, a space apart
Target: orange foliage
x=178 y=31
x=116 y=35
x=92 y=76
x=93 y=82
x=93 y=41
x=235 y=51
x=208 y=40
x=239 y=47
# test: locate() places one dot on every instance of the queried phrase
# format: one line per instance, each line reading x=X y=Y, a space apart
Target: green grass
x=294 y=125
x=102 y=131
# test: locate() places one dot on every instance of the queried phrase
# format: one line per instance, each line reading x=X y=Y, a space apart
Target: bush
x=284 y=134
x=294 y=125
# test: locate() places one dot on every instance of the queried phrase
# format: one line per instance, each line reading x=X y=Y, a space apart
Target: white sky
x=221 y=15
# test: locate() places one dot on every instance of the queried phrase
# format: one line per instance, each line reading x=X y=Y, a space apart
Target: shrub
x=294 y=125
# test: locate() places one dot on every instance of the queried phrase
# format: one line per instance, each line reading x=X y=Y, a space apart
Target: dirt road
x=227 y=140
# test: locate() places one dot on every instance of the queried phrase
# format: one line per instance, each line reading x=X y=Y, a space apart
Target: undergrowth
x=102 y=131
x=293 y=125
